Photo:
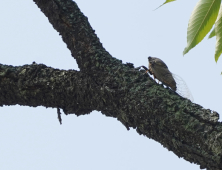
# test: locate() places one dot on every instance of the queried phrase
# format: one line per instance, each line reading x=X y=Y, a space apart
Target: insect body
x=161 y=72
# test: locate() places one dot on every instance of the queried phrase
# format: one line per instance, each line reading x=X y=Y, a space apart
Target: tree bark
x=105 y=84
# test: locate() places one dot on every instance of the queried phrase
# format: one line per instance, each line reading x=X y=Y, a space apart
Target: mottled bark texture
x=105 y=84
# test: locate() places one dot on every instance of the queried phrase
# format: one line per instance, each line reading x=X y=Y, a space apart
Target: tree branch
x=81 y=40
x=39 y=85
x=115 y=89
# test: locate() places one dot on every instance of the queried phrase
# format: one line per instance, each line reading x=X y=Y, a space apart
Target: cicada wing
x=182 y=88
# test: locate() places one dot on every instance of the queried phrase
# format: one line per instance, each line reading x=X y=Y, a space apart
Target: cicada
x=160 y=71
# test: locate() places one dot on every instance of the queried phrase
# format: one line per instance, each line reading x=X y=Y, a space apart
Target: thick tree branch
x=115 y=89
x=81 y=40
x=38 y=85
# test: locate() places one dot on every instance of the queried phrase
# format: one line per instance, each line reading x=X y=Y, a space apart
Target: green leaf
x=212 y=34
x=201 y=21
x=167 y=1
x=218 y=32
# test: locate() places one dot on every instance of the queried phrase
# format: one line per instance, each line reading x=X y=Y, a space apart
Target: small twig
x=145 y=68
x=59 y=115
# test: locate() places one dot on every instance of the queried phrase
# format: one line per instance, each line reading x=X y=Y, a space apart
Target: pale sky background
x=32 y=138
